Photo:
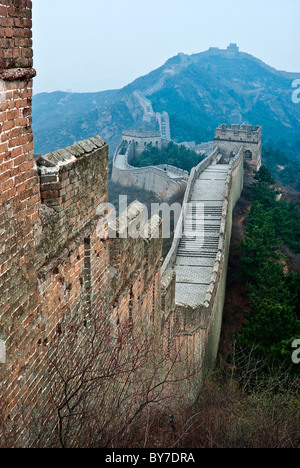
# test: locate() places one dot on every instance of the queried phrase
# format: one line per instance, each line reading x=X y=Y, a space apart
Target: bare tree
x=104 y=378
x=238 y=407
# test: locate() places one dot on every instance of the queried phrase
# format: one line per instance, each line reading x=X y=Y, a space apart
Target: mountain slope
x=199 y=92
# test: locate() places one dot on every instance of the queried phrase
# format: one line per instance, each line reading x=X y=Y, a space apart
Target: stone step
x=198 y=250
x=197 y=246
x=201 y=226
x=207 y=212
x=210 y=253
x=203 y=206
x=196 y=254
x=203 y=239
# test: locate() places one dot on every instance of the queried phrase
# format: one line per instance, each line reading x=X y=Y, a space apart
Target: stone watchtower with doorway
x=141 y=139
x=229 y=140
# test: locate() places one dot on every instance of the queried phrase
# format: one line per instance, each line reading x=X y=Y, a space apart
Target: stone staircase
x=198 y=246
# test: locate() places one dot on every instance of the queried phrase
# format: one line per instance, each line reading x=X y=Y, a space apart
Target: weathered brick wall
x=102 y=282
x=19 y=197
x=136 y=277
x=78 y=275
x=15 y=35
x=73 y=185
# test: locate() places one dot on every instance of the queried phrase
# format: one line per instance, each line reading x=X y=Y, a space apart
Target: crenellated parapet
x=240 y=133
x=229 y=140
x=73 y=183
x=140 y=139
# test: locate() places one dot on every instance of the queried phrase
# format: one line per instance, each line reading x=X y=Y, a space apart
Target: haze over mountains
x=198 y=91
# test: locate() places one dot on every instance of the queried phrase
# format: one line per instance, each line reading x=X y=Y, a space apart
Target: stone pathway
x=199 y=244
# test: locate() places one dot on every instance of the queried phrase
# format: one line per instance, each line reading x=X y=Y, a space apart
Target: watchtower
x=141 y=139
x=232 y=50
x=229 y=140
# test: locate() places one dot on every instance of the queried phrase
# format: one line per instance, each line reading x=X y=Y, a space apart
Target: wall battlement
x=244 y=133
x=73 y=184
x=229 y=140
x=233 y=49
x=140 y=134
x=140 y=139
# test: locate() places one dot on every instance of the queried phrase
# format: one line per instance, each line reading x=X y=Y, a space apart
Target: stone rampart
x=165 y=180
x=200 y=325
x=73 y=184
x=230 y=138
x=58 y=275
x=195 y=173
x=141 y=138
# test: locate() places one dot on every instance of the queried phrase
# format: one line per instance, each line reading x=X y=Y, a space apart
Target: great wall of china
x=56 y=271
x=165 y=180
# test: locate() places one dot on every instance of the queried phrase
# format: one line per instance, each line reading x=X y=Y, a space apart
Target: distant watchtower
x=140 y=139
x=230 y=139
x=232 y=49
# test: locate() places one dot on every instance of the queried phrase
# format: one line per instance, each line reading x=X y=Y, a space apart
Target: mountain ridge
x=199 y=92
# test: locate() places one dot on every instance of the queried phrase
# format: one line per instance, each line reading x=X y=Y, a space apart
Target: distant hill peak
x=198 y=92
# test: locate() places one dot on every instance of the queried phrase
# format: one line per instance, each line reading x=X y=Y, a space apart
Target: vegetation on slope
x=174 y=155
x=273 y=319
x=231 y=412
x=214 y=90
x=201 y=93
x=282 y=167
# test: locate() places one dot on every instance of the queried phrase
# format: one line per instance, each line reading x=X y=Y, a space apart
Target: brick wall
x=73 y=185
x=56 y=273
x=15 y=35
x=19 y=195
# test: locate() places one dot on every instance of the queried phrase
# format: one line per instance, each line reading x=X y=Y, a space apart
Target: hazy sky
x=94 y=45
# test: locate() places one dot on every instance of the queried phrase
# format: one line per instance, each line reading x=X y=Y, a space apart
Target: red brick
x=18 y=141
x=9 y=32
x=6 y=22
x=3 y=147
x=50 y=195
x=3 y=11
x=7 y=185
x=16 y=152
x=20 y=160
x=7 y=125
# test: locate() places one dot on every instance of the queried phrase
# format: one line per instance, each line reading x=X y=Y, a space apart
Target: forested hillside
x=199 y=92
x=173 y=154
x=273 y=319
